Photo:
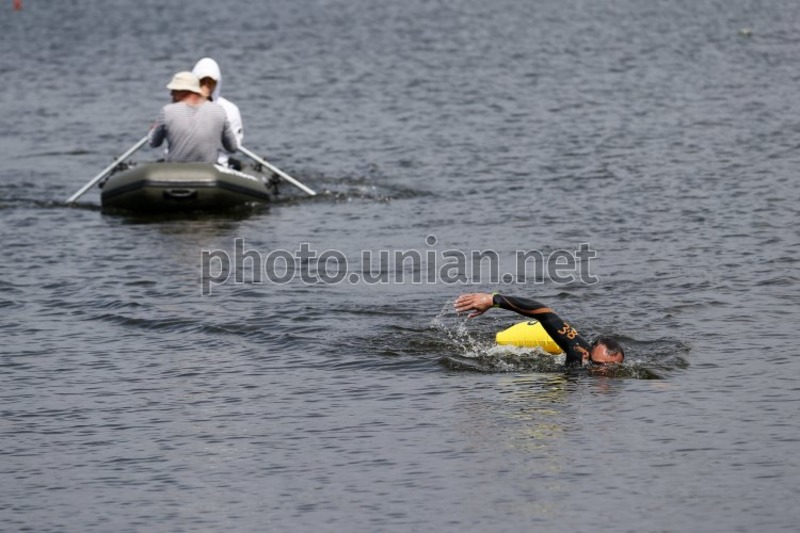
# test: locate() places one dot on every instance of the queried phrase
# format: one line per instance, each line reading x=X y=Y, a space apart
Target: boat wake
x=369 y=184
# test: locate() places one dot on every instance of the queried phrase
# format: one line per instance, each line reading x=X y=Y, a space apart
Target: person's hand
x=478 y=302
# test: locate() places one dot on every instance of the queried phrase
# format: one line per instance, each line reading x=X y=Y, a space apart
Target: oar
x=276 y=170
x=108 y=169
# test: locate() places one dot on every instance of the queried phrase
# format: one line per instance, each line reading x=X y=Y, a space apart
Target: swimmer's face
x=602 y=355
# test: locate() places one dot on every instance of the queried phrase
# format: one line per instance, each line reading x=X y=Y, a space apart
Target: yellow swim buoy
x=529 y=334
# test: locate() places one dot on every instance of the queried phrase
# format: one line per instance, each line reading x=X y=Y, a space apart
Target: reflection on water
x=526 y=416
x=534 y=403
x=224 y=220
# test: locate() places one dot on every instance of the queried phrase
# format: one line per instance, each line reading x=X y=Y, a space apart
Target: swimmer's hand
x=478 y=302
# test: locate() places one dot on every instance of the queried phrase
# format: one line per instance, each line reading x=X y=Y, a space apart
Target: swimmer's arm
x=566 y=336
x=523 y=306
x=477 y=302
x=480 y=302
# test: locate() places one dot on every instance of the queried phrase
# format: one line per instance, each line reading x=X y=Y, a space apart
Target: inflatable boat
x=165 y=186
x=528 y=334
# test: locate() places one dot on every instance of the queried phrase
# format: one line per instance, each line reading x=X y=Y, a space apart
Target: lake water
x=139 y=395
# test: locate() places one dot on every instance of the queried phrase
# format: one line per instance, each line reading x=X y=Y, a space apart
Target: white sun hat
x=184 y=81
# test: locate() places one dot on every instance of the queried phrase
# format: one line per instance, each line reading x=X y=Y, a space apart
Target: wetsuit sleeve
x=566 y=336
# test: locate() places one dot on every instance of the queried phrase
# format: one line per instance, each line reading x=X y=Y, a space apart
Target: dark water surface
x=659 y=133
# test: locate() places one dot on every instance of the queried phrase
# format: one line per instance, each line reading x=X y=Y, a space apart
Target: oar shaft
x=276 y=170
x=106 y=170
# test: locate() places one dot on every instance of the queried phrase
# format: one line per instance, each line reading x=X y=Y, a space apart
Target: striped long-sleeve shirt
x=194 y=134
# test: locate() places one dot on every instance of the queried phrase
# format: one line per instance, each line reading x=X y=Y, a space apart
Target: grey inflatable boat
x=183 y=186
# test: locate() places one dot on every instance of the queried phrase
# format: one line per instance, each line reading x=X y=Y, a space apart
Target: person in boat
x=193 y=127
x=207 y=70
x=578 y=351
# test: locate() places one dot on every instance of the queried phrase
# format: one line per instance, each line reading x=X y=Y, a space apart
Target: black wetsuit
x=567 y=337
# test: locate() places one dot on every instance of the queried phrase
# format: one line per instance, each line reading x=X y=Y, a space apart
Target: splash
x=454 y=329
x=472 y=350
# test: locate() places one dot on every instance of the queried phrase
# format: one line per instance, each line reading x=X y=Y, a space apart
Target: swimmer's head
x=606 y=350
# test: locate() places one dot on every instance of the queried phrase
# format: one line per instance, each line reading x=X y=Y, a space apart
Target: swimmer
x=602 y=351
